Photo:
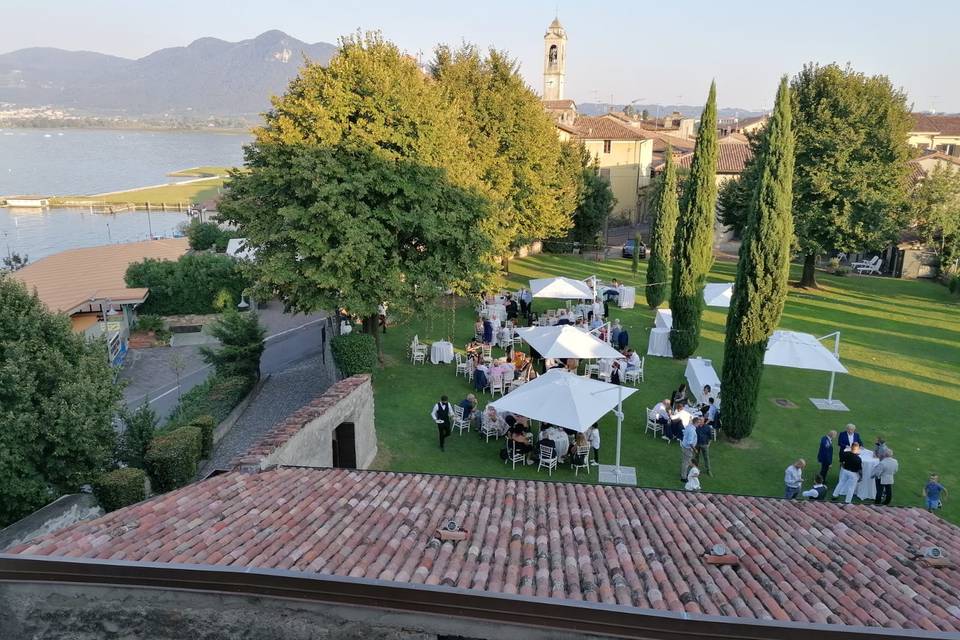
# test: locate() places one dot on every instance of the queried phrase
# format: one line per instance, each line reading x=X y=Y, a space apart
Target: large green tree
x=57 y=402
x=693 y=244
x=763 y=270
x=661 y=235
x=241 y=344
x=852 y=177
x=936 y=213
x=512 y=144
x=594 y=207
x=359 y=189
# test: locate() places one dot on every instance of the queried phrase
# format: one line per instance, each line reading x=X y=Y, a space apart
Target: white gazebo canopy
x=805 y=351
x=564 y=399
x=561 y=288
x=718 y=294
x=564 y=341
x=800 y=351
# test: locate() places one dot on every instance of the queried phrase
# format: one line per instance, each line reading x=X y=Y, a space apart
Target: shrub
x=354 y=353
x=149 y=322
x=140 y=427
x=203 y=235
x=215 y=397
x=954 y=285
x=207 y=425
x=241 y=345
x=172 y=458
x=223 y=300
x=120 y=487
x=834 y=264
x=187 y=285
x=841 y=271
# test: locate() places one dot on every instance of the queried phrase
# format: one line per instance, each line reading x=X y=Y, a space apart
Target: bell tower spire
x=554 y=61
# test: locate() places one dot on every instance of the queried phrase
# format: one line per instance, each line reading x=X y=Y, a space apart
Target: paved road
x=151 y=377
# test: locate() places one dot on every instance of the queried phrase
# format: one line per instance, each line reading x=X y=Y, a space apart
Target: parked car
x=627 y=251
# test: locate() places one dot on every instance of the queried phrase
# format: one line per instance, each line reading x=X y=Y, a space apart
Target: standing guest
x=693 y=478
x=879 y=447
x=442 y=415
x=597 y=309
x=524 y=302
x=712 y=412
x=848 y=437
x=704 y=439
x=679 y=420
x=623 y=339
x=469 y=405
x=793 y=479
x=382 y=316
x=819 y=490
x=593 y=436
x=825 y=454
x=883 y=474
x=487 y=331
x=851 y=471
x=934 y=492
x=511 y=308
x=615 y=330
x=680 y=395
x=688 y=445
x=616 y=376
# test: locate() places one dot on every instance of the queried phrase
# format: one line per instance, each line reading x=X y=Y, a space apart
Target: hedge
x=172 y=458
x=208 y=235
x=215 y=397
x=207 y=425
x=187 y=285
x=120 y=487
x=354 y=353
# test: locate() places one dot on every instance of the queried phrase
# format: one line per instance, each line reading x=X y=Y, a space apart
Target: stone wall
x=305 y=438
x=59 y=514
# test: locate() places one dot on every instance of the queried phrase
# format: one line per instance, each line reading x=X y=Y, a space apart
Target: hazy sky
x=663 y=51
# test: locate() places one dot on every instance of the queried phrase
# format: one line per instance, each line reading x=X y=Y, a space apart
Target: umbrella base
x=825 y=404
x=609 y=475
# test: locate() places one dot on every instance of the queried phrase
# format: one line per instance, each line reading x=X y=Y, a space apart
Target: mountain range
x=209 y=77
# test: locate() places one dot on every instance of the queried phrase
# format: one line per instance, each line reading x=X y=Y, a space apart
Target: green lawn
x=900 y=341
x=200 y=172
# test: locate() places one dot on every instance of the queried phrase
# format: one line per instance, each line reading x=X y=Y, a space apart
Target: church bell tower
x=554 y=61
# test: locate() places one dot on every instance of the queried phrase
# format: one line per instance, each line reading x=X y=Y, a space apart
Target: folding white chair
x=604 y=369
x=496 y=385
x=872 y=267
x=632 y=376
x=580 y=460
x=514 y=456
x=461 y=365
x=486 y=351
x=593 y=369
x=488 y=429
x=652 y=424
x=548 y=458
x=460 y=423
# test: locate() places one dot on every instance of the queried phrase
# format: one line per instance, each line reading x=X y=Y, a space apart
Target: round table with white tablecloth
x=441 y=351
x=497 y=311
x=659 y=343
x=867 y=488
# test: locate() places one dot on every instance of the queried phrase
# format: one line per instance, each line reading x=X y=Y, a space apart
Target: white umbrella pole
x=619 y=424
x=836 y=354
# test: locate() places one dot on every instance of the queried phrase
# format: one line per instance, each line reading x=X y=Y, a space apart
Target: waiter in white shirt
x=442 y=415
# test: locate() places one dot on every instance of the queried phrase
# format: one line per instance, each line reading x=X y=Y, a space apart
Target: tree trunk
x=371 y=325
x=809 y=278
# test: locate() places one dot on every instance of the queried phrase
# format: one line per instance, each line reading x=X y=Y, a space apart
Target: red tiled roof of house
x=731 y=158
x=601 y=128
x=799 y=561
x=559 y=104
x=945 y=125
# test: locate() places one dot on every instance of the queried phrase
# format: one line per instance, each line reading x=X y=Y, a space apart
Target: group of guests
x=851 y=473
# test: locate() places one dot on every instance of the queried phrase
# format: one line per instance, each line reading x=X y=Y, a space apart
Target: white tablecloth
x=663 y=319
x=867 y=488
x=496 y=312
x=659 y=343
x=629 y=298
x=441 y=351
x=700 y=373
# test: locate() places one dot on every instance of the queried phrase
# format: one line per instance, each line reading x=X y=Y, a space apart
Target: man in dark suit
x=848 y=437
x=825 y=454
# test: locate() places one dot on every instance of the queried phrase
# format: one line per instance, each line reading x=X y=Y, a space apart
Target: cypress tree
x=661 y=237
x=693 y=248
x=760 y=290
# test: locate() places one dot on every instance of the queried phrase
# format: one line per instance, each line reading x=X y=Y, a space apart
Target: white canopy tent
x=805 y=351
x=561 y=288
x=718 y=294
x=564 y=341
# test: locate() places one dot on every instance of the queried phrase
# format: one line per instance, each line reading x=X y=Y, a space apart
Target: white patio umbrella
x=805 y=351
x=563 y=398
x=718 y=294
x=561 y=288
x=564 y=341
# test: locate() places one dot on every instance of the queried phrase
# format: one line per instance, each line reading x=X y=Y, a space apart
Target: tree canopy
x=763 y=269
x=936 y=213
x=57 y=402
x=693 y=243
x=662 y=233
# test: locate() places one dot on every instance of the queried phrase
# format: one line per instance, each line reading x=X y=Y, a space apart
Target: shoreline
x=143 y=128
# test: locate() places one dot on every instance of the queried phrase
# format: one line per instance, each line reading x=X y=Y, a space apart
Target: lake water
x=56 y=162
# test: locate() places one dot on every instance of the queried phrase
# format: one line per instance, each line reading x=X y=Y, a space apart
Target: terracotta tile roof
x=734 y=138
x=945 y=125
x=661 y=140
x=69 y=279
x=601 y=128
x=919 y=172
x=559 y=104
x=731 y=158
x=799 y=561
x=284 y=430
